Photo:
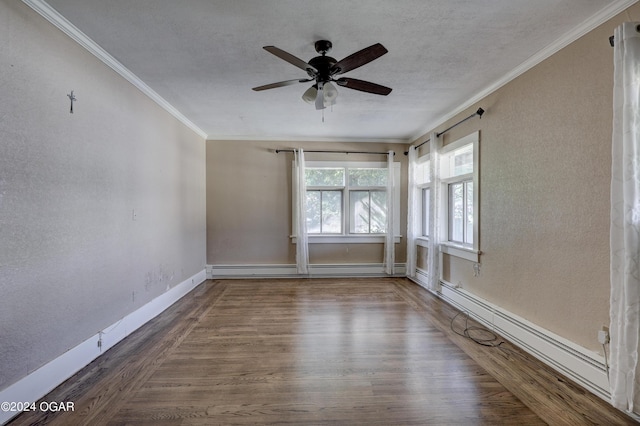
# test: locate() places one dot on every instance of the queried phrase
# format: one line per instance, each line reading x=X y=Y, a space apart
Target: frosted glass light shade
x=330 y=94
x=309 y=96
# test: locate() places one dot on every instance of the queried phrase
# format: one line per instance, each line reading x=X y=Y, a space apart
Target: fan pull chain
x=325 y=109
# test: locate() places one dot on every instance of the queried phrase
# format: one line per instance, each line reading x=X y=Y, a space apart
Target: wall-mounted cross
x=72 y=98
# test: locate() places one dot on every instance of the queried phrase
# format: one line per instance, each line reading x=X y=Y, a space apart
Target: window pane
x=313 y=212
x=462 y=160
x=324 y=176
x=368 y=177
x=469 y=217
x=378 y=219
x=422 y=174
x=456 y=212
x=331 y=212
x=359 y=212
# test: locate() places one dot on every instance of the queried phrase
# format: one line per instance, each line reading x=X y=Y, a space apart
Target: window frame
x=351 y=221
x=469 y=251
x=424 y=188
x=425 y=192
x=322 y=190
x=346 y=237
x=465 y=203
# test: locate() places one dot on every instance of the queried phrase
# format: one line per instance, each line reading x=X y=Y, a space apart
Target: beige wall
x=249 y=204
x=544 y=188
x=72 y=259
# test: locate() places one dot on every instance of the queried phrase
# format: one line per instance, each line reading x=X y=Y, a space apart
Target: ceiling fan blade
x=291 y=59
x=363 y=86
x=320 y=96
x=358 y=59
x=280 y=84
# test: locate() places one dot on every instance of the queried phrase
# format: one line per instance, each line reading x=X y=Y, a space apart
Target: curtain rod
x=334 y=152
x=479 y=112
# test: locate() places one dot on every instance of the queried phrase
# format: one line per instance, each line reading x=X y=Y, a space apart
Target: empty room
x=219 y=212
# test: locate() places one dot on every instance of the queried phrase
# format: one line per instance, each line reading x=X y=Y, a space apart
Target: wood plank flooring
x=376 y=351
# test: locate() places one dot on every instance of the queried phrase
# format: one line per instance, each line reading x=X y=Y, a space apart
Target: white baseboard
x=290 y=271
x=43 y=380
x=583 y=366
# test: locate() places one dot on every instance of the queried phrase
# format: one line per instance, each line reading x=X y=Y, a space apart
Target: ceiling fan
x=323 y=70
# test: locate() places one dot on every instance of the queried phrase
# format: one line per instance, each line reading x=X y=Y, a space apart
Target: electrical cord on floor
x=493 y=341
x=490 y=339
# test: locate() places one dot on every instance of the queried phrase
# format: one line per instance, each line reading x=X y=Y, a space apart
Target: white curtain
x=433 y=255
x=389 y=240
x=625 y=221
x=300 y=213
x=413 y=212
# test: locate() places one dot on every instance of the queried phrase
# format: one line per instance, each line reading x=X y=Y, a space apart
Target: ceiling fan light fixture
x=323 y=69
x=309 y=96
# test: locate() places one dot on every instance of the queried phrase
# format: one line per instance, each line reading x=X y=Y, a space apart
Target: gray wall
x=72 y=259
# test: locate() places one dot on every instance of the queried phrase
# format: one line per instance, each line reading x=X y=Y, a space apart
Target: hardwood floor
x=376 y=351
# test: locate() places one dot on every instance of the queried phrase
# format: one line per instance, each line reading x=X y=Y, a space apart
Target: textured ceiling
x=204 y=56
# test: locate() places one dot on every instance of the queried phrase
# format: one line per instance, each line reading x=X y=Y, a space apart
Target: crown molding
x=590 y=24
x=254 y=138
x=59 y=21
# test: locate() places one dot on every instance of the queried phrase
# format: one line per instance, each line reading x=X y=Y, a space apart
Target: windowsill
x=461 y=251
x=452 y=249
x=347 y=239
x=422 y=241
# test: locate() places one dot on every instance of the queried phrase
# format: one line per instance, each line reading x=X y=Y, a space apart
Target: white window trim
x=345 y=237
x=468 y=252
x=463 y=252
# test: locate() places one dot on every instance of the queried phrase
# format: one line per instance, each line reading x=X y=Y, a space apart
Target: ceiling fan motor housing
x=323 y=64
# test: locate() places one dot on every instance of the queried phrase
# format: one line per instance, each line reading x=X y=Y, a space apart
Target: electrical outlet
x=603 y=336
x=476 y=269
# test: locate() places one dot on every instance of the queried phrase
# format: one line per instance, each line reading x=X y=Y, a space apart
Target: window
x=459 y=175
x=367 y=200
x=461 y=212
x=324 y=212
x=368 y=212
x=426 y=203
x=423 y=184
x=324 y=199
x=347 y=201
